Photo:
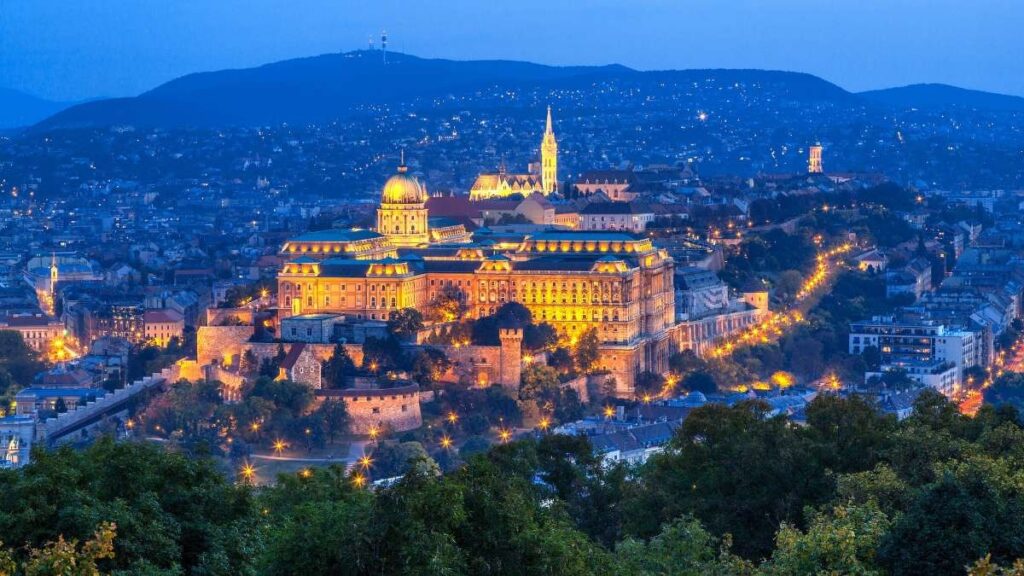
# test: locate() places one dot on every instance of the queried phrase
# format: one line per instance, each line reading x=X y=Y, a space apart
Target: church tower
x=54 y=274
x=549 y=159
x=402 y=216
x=814 y=160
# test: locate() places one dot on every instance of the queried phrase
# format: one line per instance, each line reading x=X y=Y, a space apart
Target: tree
x=720 y=452
x=788 y=284
x=538 y=337
x=844 y=541
x=338 y=368
x=587 y=352
x=405 y=323
x=286 y=395
x=448 y=305
x=174 y=513
x=381 y=355
x=334 y=416
x=17 y=359
x=682 y=548
x=700 y=382
x=248 y=365
x=538 y=382
x=64 y=558
x=429 y=365
x=561 y=359
x=648 y=382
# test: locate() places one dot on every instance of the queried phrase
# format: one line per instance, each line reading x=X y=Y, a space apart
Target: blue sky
x=72 y=49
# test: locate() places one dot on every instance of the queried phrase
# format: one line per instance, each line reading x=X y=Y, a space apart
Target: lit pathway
x=775 y=324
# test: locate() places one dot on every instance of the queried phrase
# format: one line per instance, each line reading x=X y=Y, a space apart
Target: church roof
x=514 y=182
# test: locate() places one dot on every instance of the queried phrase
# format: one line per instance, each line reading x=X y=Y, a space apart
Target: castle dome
x=402 y=188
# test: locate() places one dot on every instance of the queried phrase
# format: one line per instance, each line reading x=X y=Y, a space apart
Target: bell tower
x=814 y=160
x=549 y=159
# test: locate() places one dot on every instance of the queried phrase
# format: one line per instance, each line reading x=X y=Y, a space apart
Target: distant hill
x=20 y=109
x=937 y=96
x=331 y=86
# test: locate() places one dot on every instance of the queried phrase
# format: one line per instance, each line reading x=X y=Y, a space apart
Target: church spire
x=549 y=158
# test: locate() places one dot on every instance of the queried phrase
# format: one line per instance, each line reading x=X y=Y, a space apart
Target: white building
x=625 y=216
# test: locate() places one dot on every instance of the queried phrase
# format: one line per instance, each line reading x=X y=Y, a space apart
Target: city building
x=626 y=216
x=921 y=348
x=160 y=326
x=37 y=331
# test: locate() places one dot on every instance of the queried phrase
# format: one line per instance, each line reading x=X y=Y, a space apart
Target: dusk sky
x=73 y=49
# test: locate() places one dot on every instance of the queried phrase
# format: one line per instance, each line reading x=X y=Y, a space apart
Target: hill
x=331 y=86
x=939 y=96
x=20 y=109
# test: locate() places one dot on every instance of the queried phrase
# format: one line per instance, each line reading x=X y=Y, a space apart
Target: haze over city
x=72 y=50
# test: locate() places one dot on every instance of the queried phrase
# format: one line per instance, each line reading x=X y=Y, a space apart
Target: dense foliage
x=735 y=493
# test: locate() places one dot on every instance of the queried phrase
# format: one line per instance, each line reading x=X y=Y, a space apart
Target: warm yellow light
x=358 y=480
x=255 y=427
x=452 y=417
x=504 y=435
x=446 y=442
x=365 y=462
x=248 y=472
x=279 y=446
x=609 y=411
x=374 y=432
x=544 y=424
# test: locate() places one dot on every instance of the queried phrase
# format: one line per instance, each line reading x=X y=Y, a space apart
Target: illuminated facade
x=616 y=282
x=542 y=177
x=814 y=160
x=549 y=159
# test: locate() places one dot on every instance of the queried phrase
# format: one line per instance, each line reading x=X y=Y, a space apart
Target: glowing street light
x=446 y=442
x=609 y=411
x=279 y=446
x=374 y=432
x=544 y=424
x=365 y=462
x=504 y=435
x=452 y=418
x=359 y=480
x=248 y=472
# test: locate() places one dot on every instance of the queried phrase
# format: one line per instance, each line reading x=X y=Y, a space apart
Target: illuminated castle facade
x=618 y=283
x=542 y=177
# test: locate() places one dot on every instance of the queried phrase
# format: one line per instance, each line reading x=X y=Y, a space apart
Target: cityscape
x=380 y=312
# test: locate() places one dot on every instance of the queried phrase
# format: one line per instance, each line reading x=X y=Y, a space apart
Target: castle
x=542 y=177
x=616 y=282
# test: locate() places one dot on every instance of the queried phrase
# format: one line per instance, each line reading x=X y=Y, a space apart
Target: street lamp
x=248 y=472
x=446 y=442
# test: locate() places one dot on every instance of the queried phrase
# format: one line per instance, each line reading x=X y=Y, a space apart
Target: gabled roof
x=292 y=356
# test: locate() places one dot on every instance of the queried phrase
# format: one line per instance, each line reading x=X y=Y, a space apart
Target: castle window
x=376 y=410
x=405 y=408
